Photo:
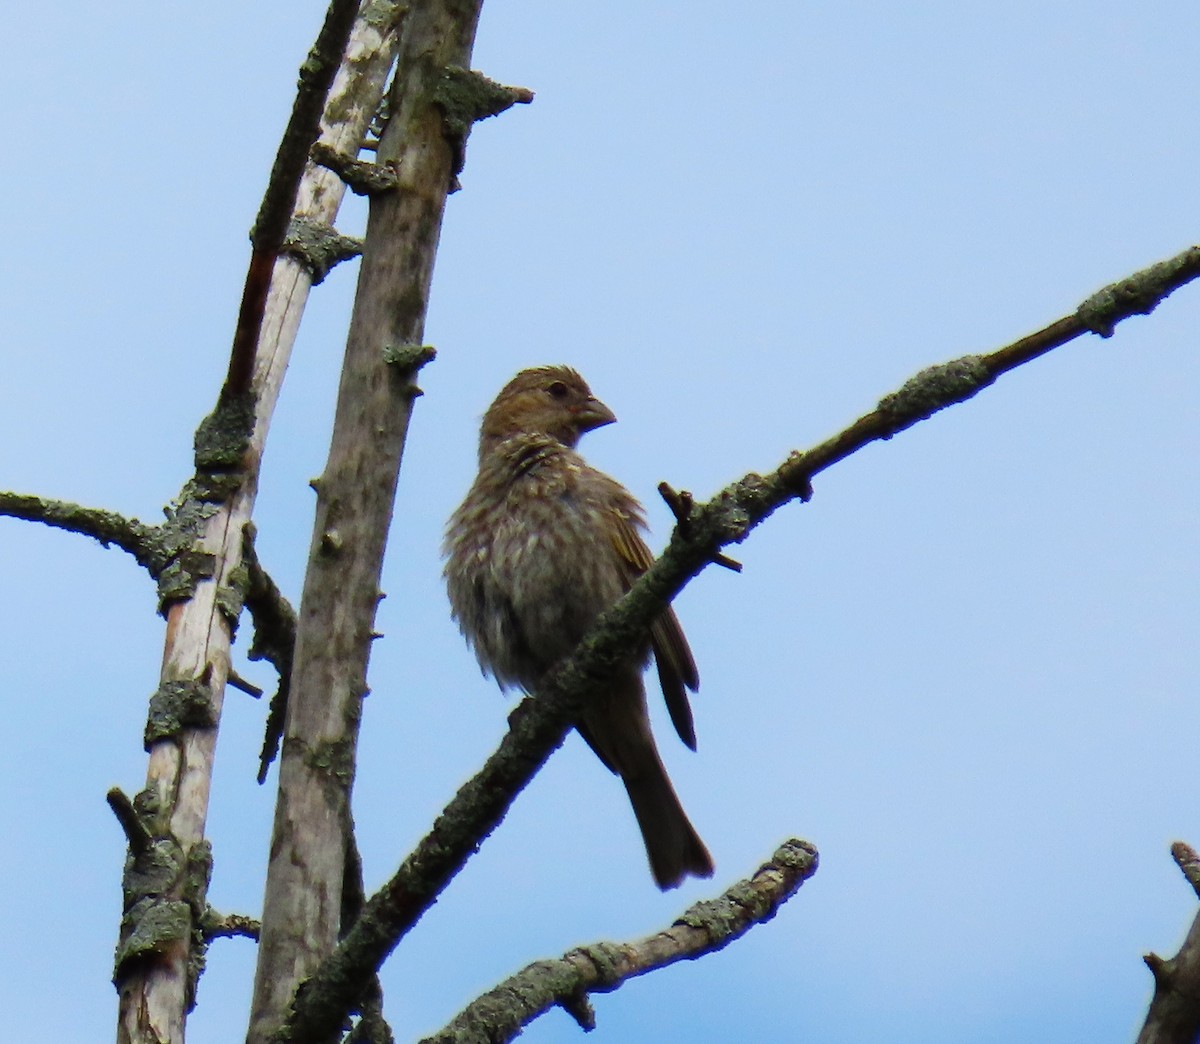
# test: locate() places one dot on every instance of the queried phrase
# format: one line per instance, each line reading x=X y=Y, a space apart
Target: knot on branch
x=177 y=582
x=164 y=892
x=184 y=566
x=607 y=960
x=406 y=361
x=232 y=595
x=176 y=706
x=319 y=247
x=1139 y=294
x=222 y=442
x=465 y=97
x=934 y=389
x=222 y=438
x=732 y=513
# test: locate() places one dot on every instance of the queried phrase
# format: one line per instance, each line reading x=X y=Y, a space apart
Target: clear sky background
x=967 y=670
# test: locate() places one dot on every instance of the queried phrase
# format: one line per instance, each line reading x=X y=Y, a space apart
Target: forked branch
x=540 y=722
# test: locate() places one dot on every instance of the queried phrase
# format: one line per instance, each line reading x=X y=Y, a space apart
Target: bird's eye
x=558 y=390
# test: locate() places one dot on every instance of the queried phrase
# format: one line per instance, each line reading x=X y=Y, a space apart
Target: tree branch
x=279 y=201
x=1174 y=1015
x=138 y=539
x=228 y=926
x=540 y=722
x=705 y=927
x=355 y=502
x=203 y=596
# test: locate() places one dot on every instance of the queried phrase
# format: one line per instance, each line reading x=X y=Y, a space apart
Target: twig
x=681 y=503
x=248 y=687
x=228 y=926
x=136 y=832
x=500 y=1014
x=541 y=721
x=360 y=177
x=109 y=528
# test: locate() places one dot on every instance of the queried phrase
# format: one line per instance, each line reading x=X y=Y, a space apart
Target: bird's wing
x=676 y=667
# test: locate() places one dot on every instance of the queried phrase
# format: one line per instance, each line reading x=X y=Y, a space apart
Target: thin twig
x=705 y=927
x=681 y=503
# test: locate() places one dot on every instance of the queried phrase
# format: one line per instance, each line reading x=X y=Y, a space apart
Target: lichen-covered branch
x=110 y=529
x=203 y=588
x=540 y=722
x=1174 y=1015
x=371 y=1027
x=566 y=982
x=228 y=926
x=465 y=97
x=319 y=247
x=361 y=177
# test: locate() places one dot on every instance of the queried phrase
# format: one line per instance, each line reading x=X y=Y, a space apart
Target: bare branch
x=228 y=926
x=138 y=539
x=1174 y=1015
x=355 y=501
x=279 y=201
x=500 y=1014
x=540 y=722
x=156 y=970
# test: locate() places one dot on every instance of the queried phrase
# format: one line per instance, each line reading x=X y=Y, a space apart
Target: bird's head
x=549 y=400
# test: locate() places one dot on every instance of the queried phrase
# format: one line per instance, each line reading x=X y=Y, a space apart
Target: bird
x=542 y=544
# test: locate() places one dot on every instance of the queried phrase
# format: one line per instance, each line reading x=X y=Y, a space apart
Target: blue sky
x=967 y=670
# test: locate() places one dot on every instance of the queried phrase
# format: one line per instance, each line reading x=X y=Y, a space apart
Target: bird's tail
x=672 y=844
x=617 y=727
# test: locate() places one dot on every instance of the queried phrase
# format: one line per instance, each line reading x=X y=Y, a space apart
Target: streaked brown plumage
x=542 y=544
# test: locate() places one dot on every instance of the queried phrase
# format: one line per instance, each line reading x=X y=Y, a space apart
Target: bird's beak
x=593 y=414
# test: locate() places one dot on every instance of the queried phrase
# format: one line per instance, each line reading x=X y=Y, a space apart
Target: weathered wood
x=355 y=496
x=156 y=993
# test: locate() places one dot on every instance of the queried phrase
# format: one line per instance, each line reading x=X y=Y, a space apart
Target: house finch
x=541 y=546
